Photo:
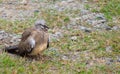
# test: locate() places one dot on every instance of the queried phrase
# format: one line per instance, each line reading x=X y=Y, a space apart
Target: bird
x=34 y=40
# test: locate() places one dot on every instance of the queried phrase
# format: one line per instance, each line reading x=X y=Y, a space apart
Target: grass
x=51 y=16
x=109 y=8
x=15 y=26
x=89 y=46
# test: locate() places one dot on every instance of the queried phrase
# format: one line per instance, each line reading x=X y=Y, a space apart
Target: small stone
x=85 y=29
x=55 y=36
x=84 y=12
x=88 y=30
x=85 y=1
x=64 y=57
x=109 y=61
x=59 y=34
x=52 y=37
x=118 y=59
x=41 y=21
x=82 y=27
x=24 y=2
x=69 y=26
x=96 y=20
x=115 y=28
x=73 y=38
x=100 y=17
x=70 y=1
x=15 y=39
x=2 y=32
x=4 y=15
x=74 y=57
x=36 y=11
x=109 y=49
x=108 y=28
x=10 y=3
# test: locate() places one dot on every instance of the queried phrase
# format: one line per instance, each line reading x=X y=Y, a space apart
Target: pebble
x=84 y=12
x=74 y=38
x=108 y=28
x=115 y=28
x=55 y=36
x=96 y=20
x=36 y=11
x=118 y=58
x=70 y=1
x=9 y=38
x=85 y=29
x=64 y=57
x=109 y=49
x=109 y=61
x=59 y=34
x=100 y=16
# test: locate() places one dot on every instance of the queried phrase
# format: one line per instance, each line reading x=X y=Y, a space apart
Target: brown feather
x=34 y=40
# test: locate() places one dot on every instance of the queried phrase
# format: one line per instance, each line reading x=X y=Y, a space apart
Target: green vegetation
x=87 y=6
x=15 y=26
x=110 y=8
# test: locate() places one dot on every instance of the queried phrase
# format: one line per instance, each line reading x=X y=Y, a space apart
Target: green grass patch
x=110 y=8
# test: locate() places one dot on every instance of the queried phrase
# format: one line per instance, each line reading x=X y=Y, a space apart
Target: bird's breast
x=38 y=49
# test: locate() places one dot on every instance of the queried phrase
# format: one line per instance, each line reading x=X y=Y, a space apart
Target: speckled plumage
x=34 y=39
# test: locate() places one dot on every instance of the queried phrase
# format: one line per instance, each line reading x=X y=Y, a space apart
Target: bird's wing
x=27 y=43
x=25 y=34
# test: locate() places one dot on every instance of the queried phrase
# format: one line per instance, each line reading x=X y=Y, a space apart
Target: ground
x=84 y=36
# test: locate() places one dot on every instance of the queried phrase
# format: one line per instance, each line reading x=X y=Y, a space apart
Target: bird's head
x=41 y=24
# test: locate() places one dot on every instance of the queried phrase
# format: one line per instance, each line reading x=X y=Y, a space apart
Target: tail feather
x=12 y=49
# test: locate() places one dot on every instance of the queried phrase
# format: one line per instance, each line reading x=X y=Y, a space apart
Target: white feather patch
x=32 y=42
